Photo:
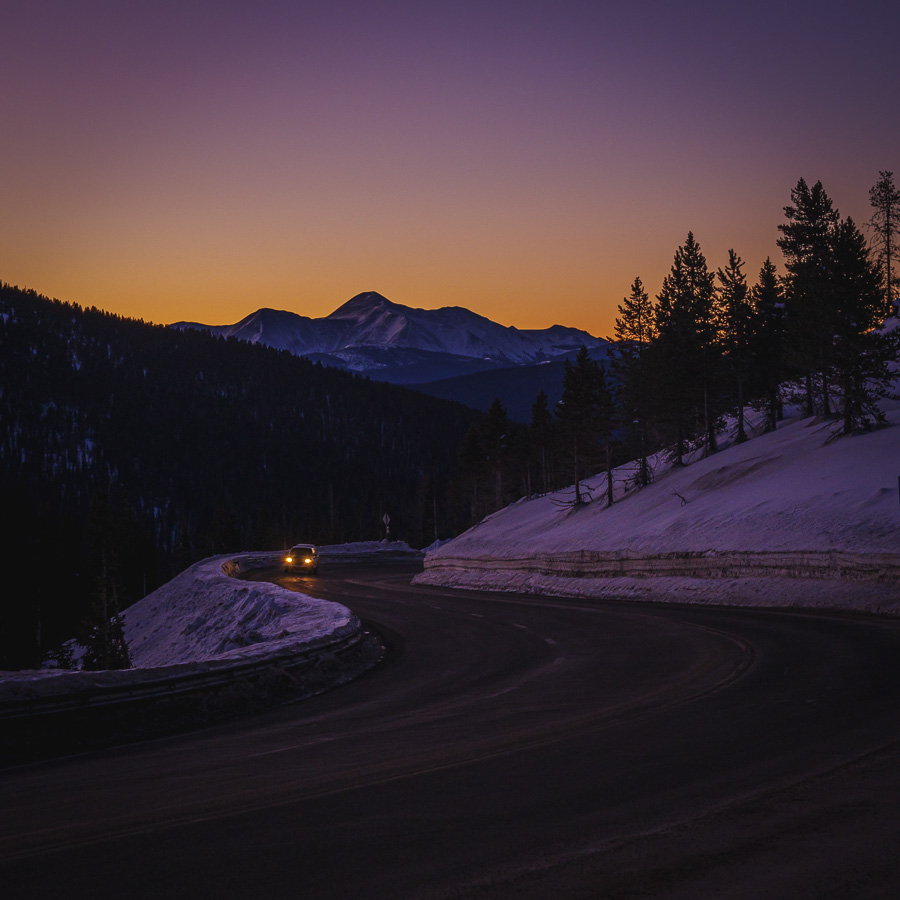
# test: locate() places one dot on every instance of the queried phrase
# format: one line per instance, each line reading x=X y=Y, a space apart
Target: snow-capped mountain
x=371 y=335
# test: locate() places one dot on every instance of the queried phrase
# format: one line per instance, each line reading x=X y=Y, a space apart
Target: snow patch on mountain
x=371 y=321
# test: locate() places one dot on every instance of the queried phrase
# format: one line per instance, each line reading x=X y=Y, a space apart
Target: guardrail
x=74 y=710
x=168 y=683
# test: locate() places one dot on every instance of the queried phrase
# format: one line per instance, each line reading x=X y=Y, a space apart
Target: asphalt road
x=509 y=746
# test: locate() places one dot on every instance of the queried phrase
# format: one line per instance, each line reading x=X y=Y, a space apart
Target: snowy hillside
x=795 y=502
x=371 y=334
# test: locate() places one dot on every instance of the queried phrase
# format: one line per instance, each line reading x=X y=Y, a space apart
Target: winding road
x=508 y=746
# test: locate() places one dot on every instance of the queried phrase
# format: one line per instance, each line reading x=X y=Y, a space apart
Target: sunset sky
x=199 y=160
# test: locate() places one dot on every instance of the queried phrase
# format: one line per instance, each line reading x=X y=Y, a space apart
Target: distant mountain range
x=390 y=342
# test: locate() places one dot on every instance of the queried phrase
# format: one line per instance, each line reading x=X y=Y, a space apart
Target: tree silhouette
x=584 y=413
x=685 y=358
x=635 y=330
x=736 y=317
x=860 y=352
x=769 y=340
x=884 y=198
x=806 y=245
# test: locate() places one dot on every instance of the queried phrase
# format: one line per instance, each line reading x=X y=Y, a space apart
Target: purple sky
x=524 y=159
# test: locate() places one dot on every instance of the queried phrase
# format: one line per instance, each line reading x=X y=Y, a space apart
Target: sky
x=200 y=160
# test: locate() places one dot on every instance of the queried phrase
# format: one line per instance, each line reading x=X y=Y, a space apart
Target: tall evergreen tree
x=806 y=245
x=606 y=421
x=736 y=317
x=861 y=352
x=686 y=355
x=496 y=444
x=581 y=412
x=885 y=222
x=540 y=435
x=103 y=634
x=635 y=330
x=471 y=471
x=769 y=342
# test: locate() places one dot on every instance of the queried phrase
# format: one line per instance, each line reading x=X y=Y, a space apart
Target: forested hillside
x=128 y=451
x=711 y=345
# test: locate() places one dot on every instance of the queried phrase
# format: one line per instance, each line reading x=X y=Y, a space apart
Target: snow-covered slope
x=371 y=334
x=800 y=501
x=374 y=320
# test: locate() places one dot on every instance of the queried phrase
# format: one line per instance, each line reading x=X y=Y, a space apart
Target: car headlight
x=307 y=560
x=289 y=559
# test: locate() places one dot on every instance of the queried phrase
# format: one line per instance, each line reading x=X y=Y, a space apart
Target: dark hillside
x=133 y=450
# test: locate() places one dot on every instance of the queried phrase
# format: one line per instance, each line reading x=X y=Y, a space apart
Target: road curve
x=509 y=746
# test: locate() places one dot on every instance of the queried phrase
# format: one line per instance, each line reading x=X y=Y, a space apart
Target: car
x=302 y=557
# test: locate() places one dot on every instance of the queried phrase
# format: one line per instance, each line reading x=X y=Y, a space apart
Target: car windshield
x=302 y=551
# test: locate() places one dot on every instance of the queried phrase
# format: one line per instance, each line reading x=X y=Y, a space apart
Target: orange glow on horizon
x=197 y=163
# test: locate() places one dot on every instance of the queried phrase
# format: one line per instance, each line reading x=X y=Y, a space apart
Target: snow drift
x=205 y=614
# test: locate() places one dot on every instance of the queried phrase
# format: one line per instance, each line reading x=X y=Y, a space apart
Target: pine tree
x=861 y=352
x=769 y=342
x=806 y=245
x=540 y=436
x=496 y=445
x=581 y=412
x=103 y=634
x=885 y=222
x=606 y=420
x=471 y=470
x=685 y=357
x=736 y=317
x=634 y=331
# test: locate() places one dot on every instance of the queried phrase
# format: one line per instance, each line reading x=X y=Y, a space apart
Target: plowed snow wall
x=875 y=567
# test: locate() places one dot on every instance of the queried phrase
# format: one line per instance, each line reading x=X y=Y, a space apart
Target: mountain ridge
x=388 y=341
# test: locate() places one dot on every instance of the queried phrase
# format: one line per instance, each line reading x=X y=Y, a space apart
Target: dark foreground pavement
x=509 y=746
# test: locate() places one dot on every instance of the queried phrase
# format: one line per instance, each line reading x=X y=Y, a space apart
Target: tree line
x=712 y=344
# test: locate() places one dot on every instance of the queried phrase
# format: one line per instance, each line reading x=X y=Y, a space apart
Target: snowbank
x=795 y=517
x=204 y=614
x=206 y=647
x=369 y=552
x=204 y=620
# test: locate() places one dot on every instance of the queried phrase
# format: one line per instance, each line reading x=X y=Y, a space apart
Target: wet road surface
x=509 y=746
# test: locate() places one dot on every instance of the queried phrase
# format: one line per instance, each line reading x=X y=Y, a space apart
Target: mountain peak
x=361 y=305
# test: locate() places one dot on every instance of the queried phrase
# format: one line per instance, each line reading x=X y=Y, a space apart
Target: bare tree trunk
x=609 y=475
x=104 y=612
x=577 y=483
x=709 y=423
x=644 y=474
x=434 y=504
x=848 y=405
x=742 y=434
x=826 y=401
